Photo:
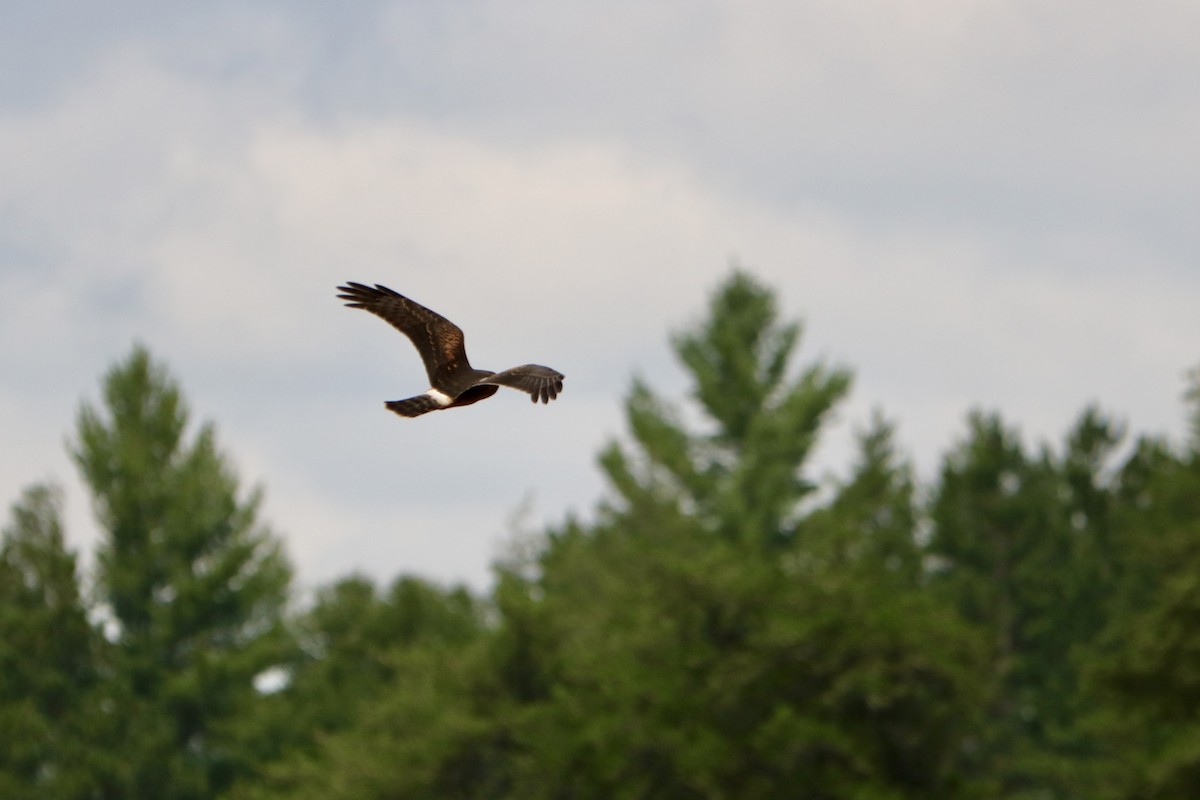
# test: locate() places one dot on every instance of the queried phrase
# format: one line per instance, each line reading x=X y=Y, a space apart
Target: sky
x=969 y=203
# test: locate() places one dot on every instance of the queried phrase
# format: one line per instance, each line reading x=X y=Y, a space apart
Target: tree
x=710 y=637
x=1025 y=549
x=377 y=702
x=706 y=636
x=194 y=585
x=49 y=662
x=743 y=477
x=724 y=626
x=1144 y=670
x=870 y=523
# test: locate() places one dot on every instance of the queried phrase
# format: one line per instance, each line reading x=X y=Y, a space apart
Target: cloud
x=944 y=192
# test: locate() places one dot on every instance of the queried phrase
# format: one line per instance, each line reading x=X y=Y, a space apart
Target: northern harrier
x=453 y=381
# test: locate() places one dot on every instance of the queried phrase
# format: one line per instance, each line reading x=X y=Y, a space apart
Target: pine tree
x=1145 y=669
x=194 y=585
x=871 y=521
x=1023 y=548
x=51 y=720
x=709 y=636
x=706 y=636
x=743 y=477
x=378 y=705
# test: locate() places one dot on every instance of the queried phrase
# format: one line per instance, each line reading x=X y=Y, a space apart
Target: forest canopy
x=1024 y=625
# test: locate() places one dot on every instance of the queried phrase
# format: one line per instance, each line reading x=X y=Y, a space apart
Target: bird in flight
x=453 y=381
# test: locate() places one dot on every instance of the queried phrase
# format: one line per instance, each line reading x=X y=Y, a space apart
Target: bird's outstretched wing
x=437 y=339
x=413 y=406
x=542 y=383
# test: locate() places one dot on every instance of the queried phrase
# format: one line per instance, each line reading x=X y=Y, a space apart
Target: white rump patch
x=441 y=398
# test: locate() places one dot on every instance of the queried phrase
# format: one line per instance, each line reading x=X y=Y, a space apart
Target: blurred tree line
x=1026 y=627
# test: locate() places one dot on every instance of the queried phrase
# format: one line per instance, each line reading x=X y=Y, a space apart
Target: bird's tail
x=413 y=406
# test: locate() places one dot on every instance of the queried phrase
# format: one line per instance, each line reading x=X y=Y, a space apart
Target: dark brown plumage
x=453 y=381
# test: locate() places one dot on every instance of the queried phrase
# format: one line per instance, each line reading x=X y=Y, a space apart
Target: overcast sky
x=969 y=203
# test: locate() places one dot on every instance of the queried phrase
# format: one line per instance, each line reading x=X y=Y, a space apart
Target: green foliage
x=1026 y=626
x=1023 y=550
x=1146 y=671
x=374 y=683
x=684 y=665
x=870 y=524
x=706 y=637
x=351 y=634
x=744 y=478
x=195 y=586
x=49 y=661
